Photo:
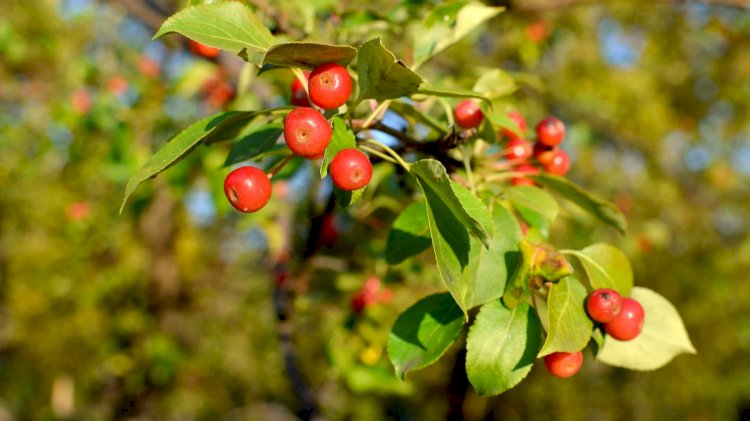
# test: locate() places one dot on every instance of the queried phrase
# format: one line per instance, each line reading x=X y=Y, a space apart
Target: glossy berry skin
x=520 y=122
x=351 y=169
x=307 y=132
x=550 y=131
x=543 y=153
x=299 y=96
x=559 y=163
x=563 y=364
x=628 y=324
x=518 y=149
x=330 y=86
x=247 y=188
x=203 y=50
x=468 y=115
x=523 y=181
x=603 y=305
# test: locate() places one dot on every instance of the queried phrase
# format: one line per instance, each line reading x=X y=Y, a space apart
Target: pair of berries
x=622 y=317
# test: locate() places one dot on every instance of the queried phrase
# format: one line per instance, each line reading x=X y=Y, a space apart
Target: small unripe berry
x=299 y=96
x=351 y=169
x=307 y=132
x=559 y=164
x=563 y=364
x=603 y=305
x=330 y=86
x=247 y=188
x=520 y=122
x=203 y=50
x=628 y=324
x=518 y=149
x=468 y=114
x=550 y=131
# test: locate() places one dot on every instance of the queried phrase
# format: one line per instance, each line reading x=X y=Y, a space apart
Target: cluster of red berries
x=307 y=133
x=622 y=319
x=546 y=151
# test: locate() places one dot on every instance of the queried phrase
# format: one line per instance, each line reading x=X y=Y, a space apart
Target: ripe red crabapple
x=468 y=114
x=307 y=132
x=247 y=188
x=330 y=86
x=351 y=169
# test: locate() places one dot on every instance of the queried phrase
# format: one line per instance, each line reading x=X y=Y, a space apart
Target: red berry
x=351 y=169
x=628 y=324
x=307 y=132
x=203 y=50
x=550 y=131
x=543 y=153
x=603 y=305
x=328 y=232
x=559 y=164
x=247 y=188
x=299 y=96
x=520 y=122
x=523 y=181
x=518 y=149
x=563 y=364
x=468 y=114
x=330 y=86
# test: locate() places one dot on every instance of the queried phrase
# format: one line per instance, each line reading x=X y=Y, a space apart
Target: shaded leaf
x=410 y=234
x=605 y=211
x=423 y=333
x=381 y=75
x=231 y=26
x=347 y=198
x=569 y=327
x=663 y=336
x=255 y=143
x=501 y=347
x=308 y=54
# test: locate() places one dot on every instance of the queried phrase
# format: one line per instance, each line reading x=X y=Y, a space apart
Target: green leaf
x=342 y=138
x=536 y=206
x=607 y=267
x=410 y=234
x=433 y=177
x=429 y=90
x=217 y=126
x=255 y=143
x=663 y=337
x=231 y=26
x=347 y=198
x=308 y=54
x=501 y=347
x=423 y=333
x=495 y=84
x=605 y=211
x=447 y=24
x=569 y=327
x=381 y=75
x=472 y=273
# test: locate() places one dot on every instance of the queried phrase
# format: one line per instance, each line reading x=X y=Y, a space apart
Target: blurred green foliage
x=167 y=311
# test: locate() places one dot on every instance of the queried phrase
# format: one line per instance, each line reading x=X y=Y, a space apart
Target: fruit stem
x=467 y=166
x=378 y=154
x=390 y=152
x=280 y=165
x=377 y=113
